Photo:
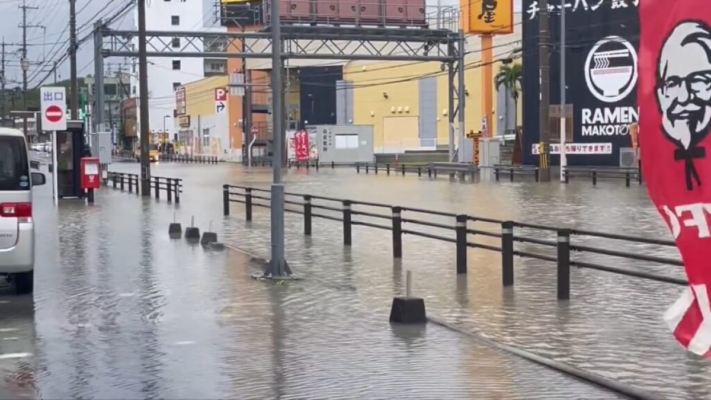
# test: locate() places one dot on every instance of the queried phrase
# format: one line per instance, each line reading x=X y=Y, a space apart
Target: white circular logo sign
x=611 y=69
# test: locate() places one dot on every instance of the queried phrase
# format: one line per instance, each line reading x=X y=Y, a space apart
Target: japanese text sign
x=53 y=108
x=674 y=95
x=487 y=16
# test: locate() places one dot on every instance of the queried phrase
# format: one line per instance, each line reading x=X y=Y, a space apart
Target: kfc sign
x=675 y=117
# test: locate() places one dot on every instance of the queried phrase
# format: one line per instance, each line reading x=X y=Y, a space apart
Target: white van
x=17 y=228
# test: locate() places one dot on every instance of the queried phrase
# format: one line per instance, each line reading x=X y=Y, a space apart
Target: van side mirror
x=38 y=179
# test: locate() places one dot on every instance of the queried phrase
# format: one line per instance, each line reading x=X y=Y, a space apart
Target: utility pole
x=2 y=85
x=544 y=90
x=143 y=100
x=74 y=89
x=24 y=62
x=277 y=268
x=563 y=108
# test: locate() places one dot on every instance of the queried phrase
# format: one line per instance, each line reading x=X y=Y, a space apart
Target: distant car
x=17 y=229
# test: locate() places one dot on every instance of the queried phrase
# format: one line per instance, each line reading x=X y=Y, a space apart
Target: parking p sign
x=54 y=108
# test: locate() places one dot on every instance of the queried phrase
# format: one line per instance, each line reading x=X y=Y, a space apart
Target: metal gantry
x=300 y=42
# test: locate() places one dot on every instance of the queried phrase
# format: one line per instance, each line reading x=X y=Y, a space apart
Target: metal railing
x=392 y=218
x=185 y=158
x=628 y=174
x=172 y=187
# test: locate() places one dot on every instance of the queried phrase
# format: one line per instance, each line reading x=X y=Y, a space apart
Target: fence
x=172 y=187
x=185 y=158
x=628 y=174
x=390 y=218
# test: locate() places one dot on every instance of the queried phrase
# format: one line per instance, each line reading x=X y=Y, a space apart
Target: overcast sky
x=48 y=42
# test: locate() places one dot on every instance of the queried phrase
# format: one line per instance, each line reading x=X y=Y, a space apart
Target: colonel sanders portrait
x=684 y=92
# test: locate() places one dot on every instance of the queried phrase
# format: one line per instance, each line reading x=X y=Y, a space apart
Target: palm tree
x=510 y=77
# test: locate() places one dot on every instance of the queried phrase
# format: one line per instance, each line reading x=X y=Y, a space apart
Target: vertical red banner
x=301 y=146
x=675 y=117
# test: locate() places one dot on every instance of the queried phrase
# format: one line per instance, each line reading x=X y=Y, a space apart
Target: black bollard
x=225 y=199
x=461 y=235
x=175 y=229
x=408 y=309
x=192 y=233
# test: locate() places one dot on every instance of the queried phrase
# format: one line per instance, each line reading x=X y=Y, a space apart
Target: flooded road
x=120 y=311
x=612 y=324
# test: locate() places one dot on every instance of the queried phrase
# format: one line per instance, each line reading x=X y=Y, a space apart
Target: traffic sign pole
x=55 y=179
x=254 y=132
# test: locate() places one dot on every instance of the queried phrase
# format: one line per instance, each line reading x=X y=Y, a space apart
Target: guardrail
x=386 y=217
x=172 y=187
x=514 y=170
x=628 y=174
x=185 y=158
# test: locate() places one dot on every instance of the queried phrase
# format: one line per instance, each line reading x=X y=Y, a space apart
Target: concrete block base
x=192 y=233
x=408 y=310
x=208 y=237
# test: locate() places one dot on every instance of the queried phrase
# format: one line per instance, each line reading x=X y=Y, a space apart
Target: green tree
x=510 y=77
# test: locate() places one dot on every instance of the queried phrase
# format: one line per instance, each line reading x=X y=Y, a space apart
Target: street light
x=164 y=117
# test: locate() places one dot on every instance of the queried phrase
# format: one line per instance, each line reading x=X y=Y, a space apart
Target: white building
x=167 y=73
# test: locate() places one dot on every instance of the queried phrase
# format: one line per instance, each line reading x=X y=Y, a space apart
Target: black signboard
x=602 y=38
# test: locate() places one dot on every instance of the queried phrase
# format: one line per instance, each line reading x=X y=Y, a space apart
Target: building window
x=206 y=137
x=216 y=66
x=175 y=20
x=175 y=42
x=176 y=64
x=176 y=85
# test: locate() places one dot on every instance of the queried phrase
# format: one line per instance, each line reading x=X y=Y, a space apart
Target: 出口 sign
x=584 y=5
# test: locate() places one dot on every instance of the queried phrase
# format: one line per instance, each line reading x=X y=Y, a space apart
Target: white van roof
x=11 y=132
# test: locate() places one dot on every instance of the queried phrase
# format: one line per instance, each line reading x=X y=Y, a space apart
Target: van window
x=14 y=166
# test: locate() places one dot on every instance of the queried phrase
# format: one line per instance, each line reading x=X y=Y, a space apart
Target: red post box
x=90 y=173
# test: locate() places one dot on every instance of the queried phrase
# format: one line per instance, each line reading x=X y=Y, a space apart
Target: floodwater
x=612 y=325
x=121 y=311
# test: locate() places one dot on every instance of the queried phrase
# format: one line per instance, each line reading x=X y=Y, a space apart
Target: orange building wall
x=260 y=95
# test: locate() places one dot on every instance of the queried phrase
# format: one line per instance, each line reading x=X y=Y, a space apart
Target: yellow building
x=203 y=117
x=394 y=96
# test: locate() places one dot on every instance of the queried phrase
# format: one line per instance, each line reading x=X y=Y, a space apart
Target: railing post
x=178 y=186
x=225 y=199
x=429 y=172
x=307 y=215
x=347 y=239
x=627 y=179
x=121 y=176
x=419 y=171
x=387 y=169
x=317 y=165
x=402 y=168
x=507 y=253
x=130 y=183
x=537 y=173
x=565 y=175
x=563 y=264
x=375 y=167
x=248 y=204
x=113 y=178
x=156 y=181
x=357 y=168
x=333 y=164
x=367 y=168
x=169 y=188
x=496 y=174
x=594 y=177
x=511 y=174
x=397 y=231
x=461 y=230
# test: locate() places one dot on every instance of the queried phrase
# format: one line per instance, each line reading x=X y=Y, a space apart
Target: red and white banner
x=302 y=147
x=674 y=95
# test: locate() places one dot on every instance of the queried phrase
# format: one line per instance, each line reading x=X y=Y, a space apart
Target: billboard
x=602 y=42
x=487 y=16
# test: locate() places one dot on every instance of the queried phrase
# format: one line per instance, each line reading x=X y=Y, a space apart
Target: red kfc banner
x=302 y=149
x=674 y=94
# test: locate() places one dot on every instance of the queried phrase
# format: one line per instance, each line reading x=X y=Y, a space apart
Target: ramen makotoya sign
x=601 y=76
x=611 y=76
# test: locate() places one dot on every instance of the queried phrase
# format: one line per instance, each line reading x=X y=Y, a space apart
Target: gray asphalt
x=121 y=311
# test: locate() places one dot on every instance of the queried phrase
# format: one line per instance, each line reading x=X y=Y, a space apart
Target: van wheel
x=24 y=282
